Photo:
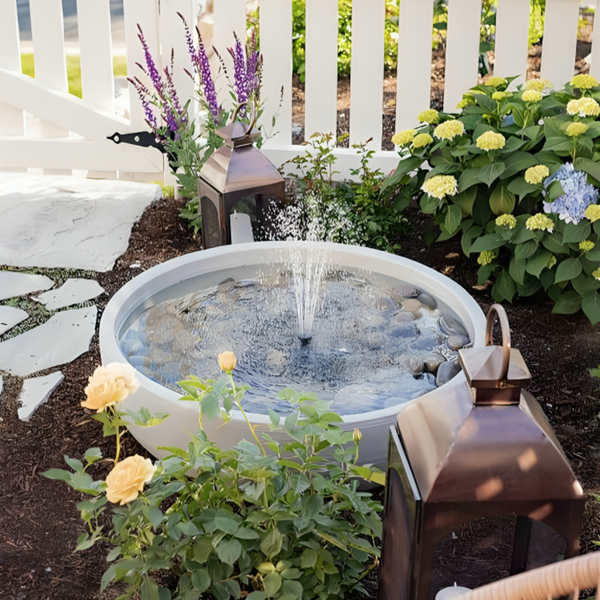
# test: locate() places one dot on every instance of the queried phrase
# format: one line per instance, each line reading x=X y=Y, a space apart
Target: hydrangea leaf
x=568 y=302
x=568 y=269
x=504 y=288
x=590 y=303
x=526 y=250
x=491 y=172
x=516 y=269
x=536 y=264
x=502 y=201
x=490 y=241
x=576 y=233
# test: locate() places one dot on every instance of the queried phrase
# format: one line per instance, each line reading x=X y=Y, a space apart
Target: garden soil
x=39 y=523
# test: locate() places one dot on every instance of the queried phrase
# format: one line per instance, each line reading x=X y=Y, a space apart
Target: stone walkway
x=57 y=222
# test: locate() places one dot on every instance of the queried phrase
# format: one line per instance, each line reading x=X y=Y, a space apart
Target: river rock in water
x=456 y=342
x=451 y=326
x=433 y=361
x=428 y=300
x=411 y=305
x=447 y=371
x=407 y=291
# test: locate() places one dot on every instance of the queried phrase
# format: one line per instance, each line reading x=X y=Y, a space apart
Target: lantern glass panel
x=211 y=228
x=247 y=206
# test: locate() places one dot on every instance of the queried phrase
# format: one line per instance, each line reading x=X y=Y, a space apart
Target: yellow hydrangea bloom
x=584 y=107
x=499 y=96
x=532 y=96
x=539 y=85
x=496 y=81
x=423 y=139
x=429 y=116
x=551 y=262
x=448 y=130
x=575 y=129
x=586 y=245
x=404 y=138
x=537 y=174
x=464 y=103
x=596 y=274
x=541 y=222
x=486 y=257
x=592 y=212
x=490 y=140
x=440 y=186
x=584 y=82
x=508 y=221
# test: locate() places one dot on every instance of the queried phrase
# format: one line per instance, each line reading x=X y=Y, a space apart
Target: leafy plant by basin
x=517 y=175
x=248 y=523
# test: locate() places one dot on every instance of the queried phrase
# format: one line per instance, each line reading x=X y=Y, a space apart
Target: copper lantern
x=236 y=177
x=485 y=449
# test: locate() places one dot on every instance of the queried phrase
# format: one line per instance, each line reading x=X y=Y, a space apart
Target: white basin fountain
x=190 y=274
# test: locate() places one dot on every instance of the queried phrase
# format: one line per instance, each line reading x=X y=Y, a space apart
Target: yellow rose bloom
x=126 y=480
x=596 y=274
x=448 y=130
x=227 y=361
x=440 y=186
x=508 y=221
x=490 y=140
x=496 y=81
x=538 y=85
x=575 y=129
x=551 y=262
x=584 y=82
x=592 y=212
x=537 y=174
x=109 y=385
x=541 y=222
x=586 y=245
x=486 y=257
x=584 y=107
x=429 y=116
x=423 y=139
x=356 y=436
x=404 y=138
x=532 y=96
x=499 y=96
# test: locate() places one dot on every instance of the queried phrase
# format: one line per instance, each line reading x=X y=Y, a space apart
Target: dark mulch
x=39 y=521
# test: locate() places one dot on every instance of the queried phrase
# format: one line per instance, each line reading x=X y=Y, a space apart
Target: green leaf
x=453 y=218
x=517 y=162
x=568 y=302
x=220 y=591
x=210 y=407
x=291 y=573
x=466 y=200
x=201 y=580
x=256 y=596
x=568 y=269
x=537 y=263
x=59 y=474
x=108 y=576
x=266 y=567
x=272 y=583
x=590 y=303
x=491 y=172
x=308 y=558
x=92 y=455
x=504 y=288
x=229 y=551
x=576 y=233
x=275 y=418
x=558 y=144
x=468 y=237
x=502 y=201
x=521 y=188
x=516 y=269
x=243 y=533
x=332 y=540
x=467 y=179
x=293 y=589
x=526 y=250
x=404 y=167
x=202 y=549
x=490 y=241
x=589 y=166
x=154 y=515
x=75 y=464
x=149 y=589
x=271 y=544
x=429 y=204
x=553 y=242
x=555 y=190
x=227 y=525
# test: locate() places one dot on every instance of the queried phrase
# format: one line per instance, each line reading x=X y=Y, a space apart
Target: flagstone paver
x=60 y=340
x=10 y=316
x=73 y=291
x=19 y=284
x=37 y=391
x=66 y=222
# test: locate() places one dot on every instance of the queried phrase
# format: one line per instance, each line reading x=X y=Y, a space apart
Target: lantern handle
x=252 y=123
x=498 y=310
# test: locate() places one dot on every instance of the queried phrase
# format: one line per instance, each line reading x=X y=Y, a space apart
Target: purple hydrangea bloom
x=579 y=194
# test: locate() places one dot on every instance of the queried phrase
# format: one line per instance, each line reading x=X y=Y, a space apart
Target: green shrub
x=516 y=174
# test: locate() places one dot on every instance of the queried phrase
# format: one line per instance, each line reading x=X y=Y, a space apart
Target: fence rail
x=72 y=132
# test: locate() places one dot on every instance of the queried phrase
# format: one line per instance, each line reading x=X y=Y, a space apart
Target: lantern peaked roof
x=483 y=367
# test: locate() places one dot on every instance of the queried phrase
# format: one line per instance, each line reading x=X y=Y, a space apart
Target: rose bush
x=516 y=174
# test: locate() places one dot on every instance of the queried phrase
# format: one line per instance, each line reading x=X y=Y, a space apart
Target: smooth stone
x=10 y=316
x=411 y=305
x=73 y=291
x=408 y=291
x=60 y=340
x=385 y=303
x=451 y=326
x=405 y=331
x=403 y=317
x=68 y=222
x=427 y=299
x=433 y=361
x=447 y=371
x=456 y=342
x=415 y=365
x=20 y=284
x=36 y=392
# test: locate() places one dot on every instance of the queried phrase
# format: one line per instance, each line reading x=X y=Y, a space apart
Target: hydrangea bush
x=516 y=175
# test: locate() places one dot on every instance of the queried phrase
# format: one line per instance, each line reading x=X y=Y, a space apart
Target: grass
x=74 y=70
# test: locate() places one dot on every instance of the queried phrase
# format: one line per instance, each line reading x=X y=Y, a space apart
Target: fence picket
x=97 y=79
x=276 y=47
x=414 y=61
x=560 y=41
x=144 y=13
x=512 y=32
x=320 y=110
x=366 y=82
x=12 y=119
x=462 y=51
x=229 y=17
x=595 y=63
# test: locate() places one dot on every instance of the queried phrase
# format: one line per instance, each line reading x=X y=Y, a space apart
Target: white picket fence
x=73 y=132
